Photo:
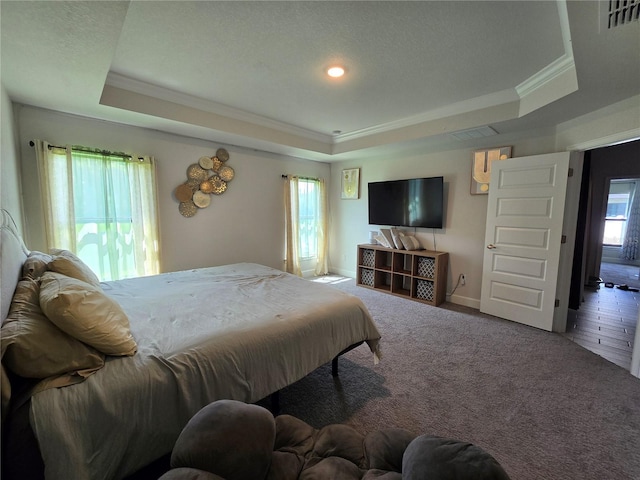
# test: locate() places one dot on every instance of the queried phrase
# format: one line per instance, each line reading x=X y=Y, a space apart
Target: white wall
x=10 y=193
x=245 y=224
x=463 y=234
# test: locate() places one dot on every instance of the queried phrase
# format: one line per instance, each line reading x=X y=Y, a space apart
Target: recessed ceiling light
x=335 y=72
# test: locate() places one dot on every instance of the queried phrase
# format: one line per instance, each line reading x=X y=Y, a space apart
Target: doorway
x=602 y=317
x=620 y=262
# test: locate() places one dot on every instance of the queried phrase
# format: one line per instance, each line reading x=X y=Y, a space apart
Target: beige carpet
x=543 y=406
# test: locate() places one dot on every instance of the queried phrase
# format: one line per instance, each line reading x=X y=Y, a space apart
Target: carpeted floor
x=619 y=274
x=543 y=406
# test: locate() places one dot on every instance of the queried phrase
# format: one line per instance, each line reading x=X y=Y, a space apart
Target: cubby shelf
x=416 y=274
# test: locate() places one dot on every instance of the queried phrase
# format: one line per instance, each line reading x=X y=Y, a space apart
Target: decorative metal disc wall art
x=209 y=176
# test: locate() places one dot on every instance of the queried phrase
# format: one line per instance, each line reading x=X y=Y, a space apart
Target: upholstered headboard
x=13 y=254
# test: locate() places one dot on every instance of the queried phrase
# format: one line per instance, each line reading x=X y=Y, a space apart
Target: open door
x=523 y=237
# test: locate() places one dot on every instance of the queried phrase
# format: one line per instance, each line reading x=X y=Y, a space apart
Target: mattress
x=239 y=331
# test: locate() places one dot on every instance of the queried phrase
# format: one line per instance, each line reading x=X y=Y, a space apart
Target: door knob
x=491 y=246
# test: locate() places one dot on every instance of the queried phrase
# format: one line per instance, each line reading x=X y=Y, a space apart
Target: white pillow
x=87 y=314
x=387 y=234
x=396 y=234
x=410 y=242
x=381 y=239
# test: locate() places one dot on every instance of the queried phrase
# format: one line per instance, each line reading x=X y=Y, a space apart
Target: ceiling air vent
x=479 y=132
x=619 y=12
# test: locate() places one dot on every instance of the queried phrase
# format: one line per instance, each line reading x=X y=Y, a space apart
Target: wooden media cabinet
x=416 y=274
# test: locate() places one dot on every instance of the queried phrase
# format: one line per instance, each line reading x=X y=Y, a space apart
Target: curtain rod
x=303 y=178
x=79 y=148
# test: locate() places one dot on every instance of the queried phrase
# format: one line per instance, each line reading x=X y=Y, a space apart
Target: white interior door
x=523 y=237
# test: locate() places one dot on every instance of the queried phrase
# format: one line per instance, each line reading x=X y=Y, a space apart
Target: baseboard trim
x=343 y=272
x=465 y=301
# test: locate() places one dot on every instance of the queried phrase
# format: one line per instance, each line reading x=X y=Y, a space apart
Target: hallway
x=606 y=321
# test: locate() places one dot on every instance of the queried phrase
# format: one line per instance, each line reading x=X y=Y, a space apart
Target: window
x=306 y=239
x=102 y=206
x=618 y=206
x=308 y=217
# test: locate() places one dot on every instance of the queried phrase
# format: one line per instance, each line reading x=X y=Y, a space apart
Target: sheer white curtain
x=632 y=233
x=322 y=265
x=316 y=232
x=55 y=175
x=292 y=224
x=102 y=207
x=144 y=213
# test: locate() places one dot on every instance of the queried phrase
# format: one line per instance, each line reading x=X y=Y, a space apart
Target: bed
x=241 y=331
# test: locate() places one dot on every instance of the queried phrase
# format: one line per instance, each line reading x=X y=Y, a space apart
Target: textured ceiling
x=252 y=73
x=269 y=58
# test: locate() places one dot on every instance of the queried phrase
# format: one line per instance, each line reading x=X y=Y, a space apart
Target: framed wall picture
x=351 y=183
x=481 y=167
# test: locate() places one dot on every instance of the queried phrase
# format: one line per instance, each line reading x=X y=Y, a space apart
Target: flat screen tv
x=415 y=202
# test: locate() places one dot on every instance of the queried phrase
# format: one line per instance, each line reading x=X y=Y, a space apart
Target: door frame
x=581 y=148
x=569 y=229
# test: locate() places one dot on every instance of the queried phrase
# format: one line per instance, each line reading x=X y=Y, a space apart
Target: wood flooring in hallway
x=606 y=323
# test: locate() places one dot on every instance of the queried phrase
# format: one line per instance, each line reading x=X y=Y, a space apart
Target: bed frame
x=21 y=455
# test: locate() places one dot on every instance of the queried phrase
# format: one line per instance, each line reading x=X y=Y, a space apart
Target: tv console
x=416 y=274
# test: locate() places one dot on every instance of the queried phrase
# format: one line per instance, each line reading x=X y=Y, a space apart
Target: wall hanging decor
x=481 y=167
x=210 y=176
x=351 y=183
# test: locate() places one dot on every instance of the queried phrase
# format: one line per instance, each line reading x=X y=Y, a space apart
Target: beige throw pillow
x=33 y=347
x=69 y=264
x=87 y=314
x=386 y=232
x=36 y=264
x=410 y=242
x=382 y=240
x=397 y=240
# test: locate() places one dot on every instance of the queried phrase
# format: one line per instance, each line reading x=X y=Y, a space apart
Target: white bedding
x=239 y=331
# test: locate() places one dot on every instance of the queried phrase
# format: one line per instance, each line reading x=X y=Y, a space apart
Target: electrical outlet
x=462 y=279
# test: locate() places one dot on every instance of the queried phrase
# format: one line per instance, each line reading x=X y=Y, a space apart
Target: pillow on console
x=33 y=347
x=382 y=240
x=87 y=314
x=386 y=233
x=410 y=242
x=69 y=264
x=397 y=238
x=36 y=264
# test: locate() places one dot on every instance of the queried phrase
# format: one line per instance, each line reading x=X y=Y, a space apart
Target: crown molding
x=471 y=105
x=554 y=70
x=607 y=141
x=137 y=86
